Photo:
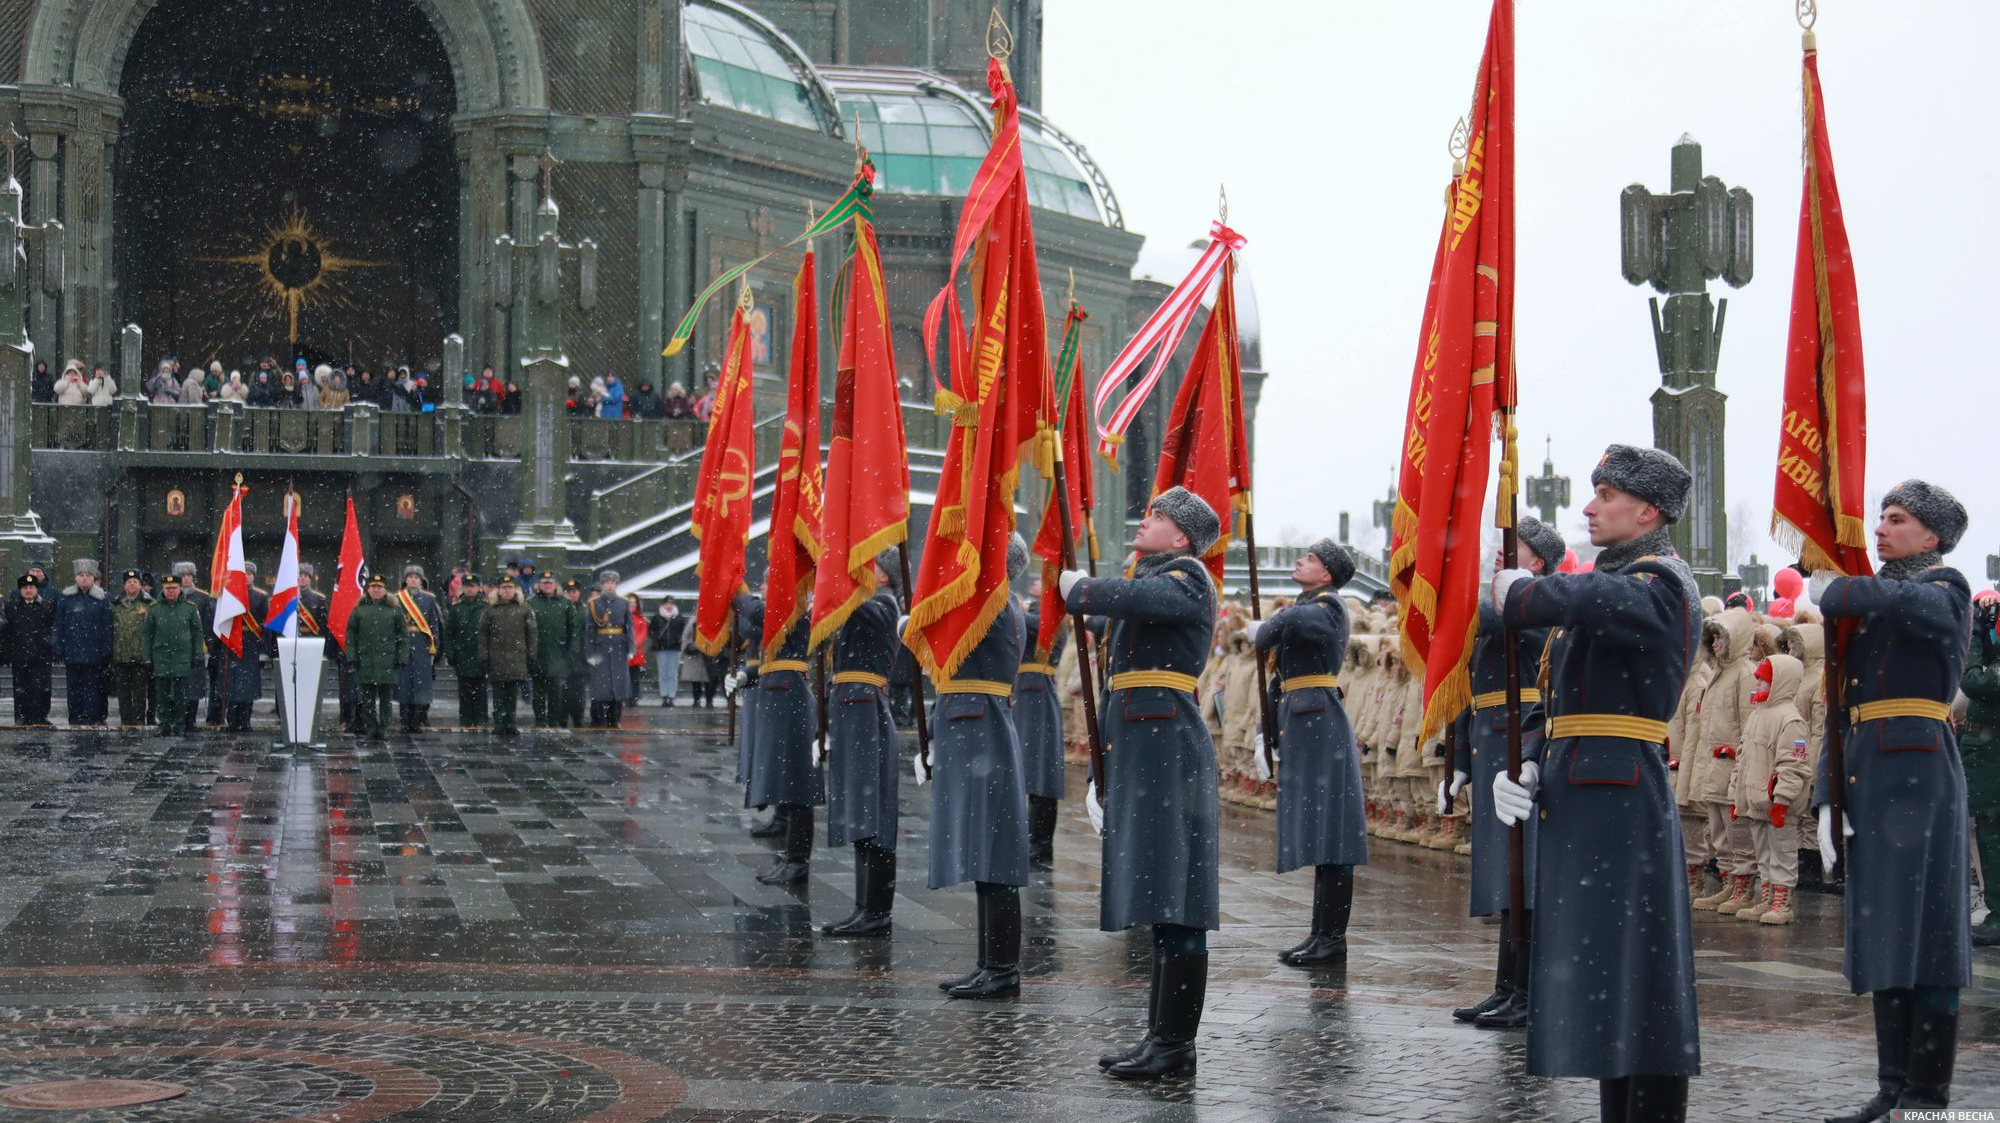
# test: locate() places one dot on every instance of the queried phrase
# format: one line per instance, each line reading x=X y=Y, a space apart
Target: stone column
x=20 y=530
x=45 y=203
x=454 y=411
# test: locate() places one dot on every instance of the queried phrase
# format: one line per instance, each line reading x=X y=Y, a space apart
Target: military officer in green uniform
x=577 y=690
x=128 y=650
x=173 y=643
x=506 y=647
x=461 y=647
x=1979 y=744
x=555 y=625
x=377 y=648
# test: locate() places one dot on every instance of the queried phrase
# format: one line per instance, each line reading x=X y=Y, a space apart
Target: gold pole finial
x=999 y=38
x=239 y=479
x=1808 y=13
x=1222 y=202
x=1459 y=145
x=811 y=217
x=745 y=299
x=1072 y=285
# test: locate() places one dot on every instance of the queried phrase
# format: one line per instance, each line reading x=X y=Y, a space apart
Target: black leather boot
x=1892 y=1052
x=1152 y=1019
x=1512 y=1013
x=1000 y=934
x=1041 y=832
x=1933 y=1054
x=1614 y=1099
x=1183 y=986
x=794 y=862
x=1333 y=902
x=874 y=893
x=1657 y=1099
x=1500 y=969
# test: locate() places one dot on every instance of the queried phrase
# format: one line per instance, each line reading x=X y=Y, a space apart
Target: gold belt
x=776 y=665
x=1608 y=725
x=1038 y=669
x=1307 y=682
x=1898 y=707
x=975 y=686
x=864 y=678
x=610 y=631
x=1172 y=680
x=1494 y=698
x=752 y=663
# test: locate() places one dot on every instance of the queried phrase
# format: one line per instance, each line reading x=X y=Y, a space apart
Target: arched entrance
x=285 y=182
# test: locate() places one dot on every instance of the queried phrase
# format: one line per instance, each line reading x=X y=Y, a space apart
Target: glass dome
x=741 y=63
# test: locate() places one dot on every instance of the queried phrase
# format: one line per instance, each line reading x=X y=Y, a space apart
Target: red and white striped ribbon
x=1161 y=333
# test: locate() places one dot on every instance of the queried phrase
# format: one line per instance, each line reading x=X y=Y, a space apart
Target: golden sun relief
x=295 y=269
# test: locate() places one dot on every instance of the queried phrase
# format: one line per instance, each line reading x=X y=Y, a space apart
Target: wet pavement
x=568 y=927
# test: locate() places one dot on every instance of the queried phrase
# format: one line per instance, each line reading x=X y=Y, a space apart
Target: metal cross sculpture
x=1548 y=492
x=15 y=235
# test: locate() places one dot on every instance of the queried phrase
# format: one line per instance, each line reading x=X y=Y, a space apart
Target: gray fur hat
x=1017 y=556
x=891 y=565
x=89 y=565
x=1334 y=556
x=250 y=568
x=183 y=569
x=1648 y=473
x=604 y=575
x=1939 y=510
x=416 y=569
x=308 y=569
x=1192 y=514
x=1543 y=540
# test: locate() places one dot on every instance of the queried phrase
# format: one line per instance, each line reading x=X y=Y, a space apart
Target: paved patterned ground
x=568 y=928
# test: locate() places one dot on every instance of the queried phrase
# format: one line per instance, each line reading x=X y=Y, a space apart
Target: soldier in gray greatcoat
x=241 y=680
x=1907 y=904
x=1038 y=720
x=1480 y=755
x=416 y=676
x=864 y=770
x=607 y=647
x=1611 y=993
x=740 y=685
x=1322 y=818
x=979 y=802
x=782 y=770
x=1161 y=847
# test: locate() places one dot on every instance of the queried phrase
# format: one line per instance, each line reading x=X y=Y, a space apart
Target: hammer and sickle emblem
x=733 y=481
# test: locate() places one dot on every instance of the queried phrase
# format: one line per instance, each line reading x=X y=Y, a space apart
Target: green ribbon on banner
x=854 y=202
x=1066 y=368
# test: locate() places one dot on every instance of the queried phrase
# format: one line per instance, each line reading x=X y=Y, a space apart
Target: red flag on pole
x=1818 y=511
x=232 y=601
x=795 y=509
x=1074 y=432
x=1464 y=372
x=722 y=493
x=999 y=400
x=1205 y=446
x=867 y=504
x=347 y=582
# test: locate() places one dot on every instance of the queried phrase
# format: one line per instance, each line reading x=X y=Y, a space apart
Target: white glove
x=1448 y=790
x=1250 y=630
x=902 y=624
x=920 y=768
x=1263 y=765
x=1821 y=578
x=1513 y=802
x=1094 y=809
x=1068 y=581
x=819 y=752
x=729 y=685
x=1826 y=817
x=1504 y=580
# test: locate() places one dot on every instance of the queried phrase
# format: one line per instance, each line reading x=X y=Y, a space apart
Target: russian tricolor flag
x=283 y=616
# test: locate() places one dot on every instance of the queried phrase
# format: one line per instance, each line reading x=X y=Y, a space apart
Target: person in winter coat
x=460 y=645
x=131 y=672
x=1773 y=773
x=611 y=403
x=636 y=662
x=1725 y=706
x=311 y=388
x=176 y=651
x=668 y=629
x=507 y=642
x=335 y=394
x=42 y=384
x=28 y=640
x=556 y=648
x=72 y=389
x=194 y=388
x=83 y=642
x=263 y=395
x=103 y=388
x=647 y=403
x=377 y=648
x=163 y=388
x=1683 y=730
x=694 y=671
x=577 y=402
x=678 y=406
x=511 y=402
x=1805 y=640
x=235 y=390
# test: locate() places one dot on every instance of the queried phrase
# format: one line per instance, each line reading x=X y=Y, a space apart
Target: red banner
x=999 y=402
x=722 y=493
x=1205 y=446
x=867 y=506
x=1074 y=435
x=346 y=582
x=795 y=509
x=1818 y=511
x=1463 y=374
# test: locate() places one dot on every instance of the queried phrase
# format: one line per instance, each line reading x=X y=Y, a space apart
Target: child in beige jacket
x=1773 y=772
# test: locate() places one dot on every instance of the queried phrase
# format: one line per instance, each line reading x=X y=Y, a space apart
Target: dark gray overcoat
x=418 y=673
x=749 y=632
x=1612 y=986
x=864 y=769
x=1038 y=714
x=782 y=733
x=1908 y=892
x=1482 y=755
x=1161 y=847
x=241 y=678
x=979 y=804
x=1322 y=818
x=607 y=647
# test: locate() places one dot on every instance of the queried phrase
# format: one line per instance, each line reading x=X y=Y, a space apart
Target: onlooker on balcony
x=335 y=394
x=577 y=403
x=510 y=402
x=611 y=403
x=235 y=390
x=211 y=384
x=163 y=387
x=482 y=394
x=42 y=384
x=72 y=388
x=679 y=407
x=647 y=403
x=263 y=395
x=102 y=387
x=312 y=388
x=363 y=387
x=288 y=391
x=422 y=398
x=194 y=388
